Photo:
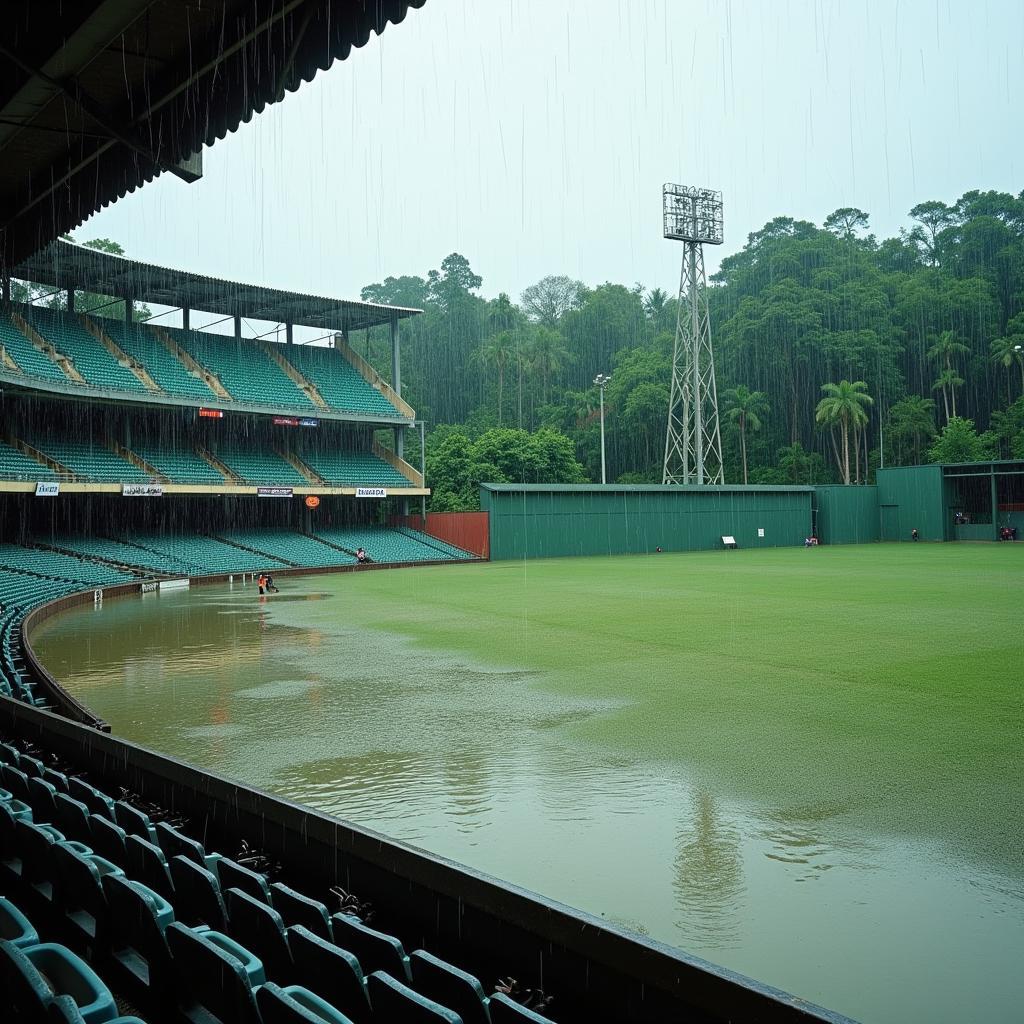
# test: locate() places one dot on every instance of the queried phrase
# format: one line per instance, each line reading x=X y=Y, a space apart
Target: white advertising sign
x=47 y=489
x=142 y=490
x=760 y=532
x=371 y=492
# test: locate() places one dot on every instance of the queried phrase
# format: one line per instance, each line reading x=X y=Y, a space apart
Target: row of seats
x=16 y=465
x=87 y=354
x=181 y=464
x=165 y=369
x=384 y=544
x=29 y=360
x=170 y=923
x=352 y=468
x=288 y=546
x=246 y=371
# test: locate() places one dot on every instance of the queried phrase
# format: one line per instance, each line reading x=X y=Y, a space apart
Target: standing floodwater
x=689 y=746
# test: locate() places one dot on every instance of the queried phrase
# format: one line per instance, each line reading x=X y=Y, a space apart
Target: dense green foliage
x=930 y=324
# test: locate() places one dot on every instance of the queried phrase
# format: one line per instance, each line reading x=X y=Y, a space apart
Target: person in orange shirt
x=262 y=581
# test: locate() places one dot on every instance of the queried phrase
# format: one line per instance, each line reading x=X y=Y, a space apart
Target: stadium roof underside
x=64 y=265
x=100 y=96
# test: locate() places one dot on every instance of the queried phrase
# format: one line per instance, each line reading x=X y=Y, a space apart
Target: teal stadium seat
x=288 y=546
x=30 y=360
x=87 y=459
x=244 y=368
x=260 y=466
x=88 y=354
x=180 y=463
x=16 y=465
x=384 y=544
x=167 y=371
x=340 y=384
x=352 y=468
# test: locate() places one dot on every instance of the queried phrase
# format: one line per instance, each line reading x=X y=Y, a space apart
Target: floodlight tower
x=693 y=442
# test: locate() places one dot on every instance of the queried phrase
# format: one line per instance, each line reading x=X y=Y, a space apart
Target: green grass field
x=882 y=682
x=802 y=764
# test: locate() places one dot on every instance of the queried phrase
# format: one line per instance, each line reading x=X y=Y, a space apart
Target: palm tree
x=497 y=351
x=845 y=406
x=942 y=352
x=745 y=410
x=913 y=417
x=947 y=383
x=1008 y=351
x=547 y=354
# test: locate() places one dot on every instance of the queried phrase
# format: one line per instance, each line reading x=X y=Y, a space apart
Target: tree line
x=835 y=351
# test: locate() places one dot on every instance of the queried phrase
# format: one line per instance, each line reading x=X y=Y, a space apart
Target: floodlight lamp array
x=692 y=214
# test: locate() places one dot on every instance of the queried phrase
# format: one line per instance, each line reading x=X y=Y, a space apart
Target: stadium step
x=48 y=349
x=293 y=372
x=119 y=354
x=200 y=371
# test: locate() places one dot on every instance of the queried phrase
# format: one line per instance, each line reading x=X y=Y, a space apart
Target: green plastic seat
x=296 y=1005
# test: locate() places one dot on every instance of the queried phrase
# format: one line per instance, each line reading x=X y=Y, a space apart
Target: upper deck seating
x=166 y=369
x=260 y=466
x=89 y=356
x=87 y=460
x=340 y=384
x=30 y=360
x=16 y=465
x=244 y=368
x=178 y=462
x=353 y=468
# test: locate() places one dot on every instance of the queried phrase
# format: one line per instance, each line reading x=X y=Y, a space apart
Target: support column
x=423 y=474
x=995 y=504
x=5 y=291
x=238 y=327
x=289 y=340
x=129 y=310
x=184 y=317
x=396 y=383
x=71 y=300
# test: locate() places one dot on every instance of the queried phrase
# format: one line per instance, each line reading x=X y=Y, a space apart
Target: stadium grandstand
x=133 y=887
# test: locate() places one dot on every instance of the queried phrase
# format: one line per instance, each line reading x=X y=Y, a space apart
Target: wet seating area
x=288 y=546
x=87 y=353
x=260 y=467
x=165 y=369
x=384 y=544
x=88 y=460
x=203 y=556
x=343 y=468
x=106 y=907
x=29 y=360
x=178 y=462
x=16 y=465
x=339 y=383
x=245 y=370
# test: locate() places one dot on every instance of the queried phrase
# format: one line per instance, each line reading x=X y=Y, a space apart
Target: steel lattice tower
x=693 y=441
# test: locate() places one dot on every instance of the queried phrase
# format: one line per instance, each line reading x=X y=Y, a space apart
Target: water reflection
x=708 y=879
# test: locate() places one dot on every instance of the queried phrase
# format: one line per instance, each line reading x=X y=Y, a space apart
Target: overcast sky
x=533 y=136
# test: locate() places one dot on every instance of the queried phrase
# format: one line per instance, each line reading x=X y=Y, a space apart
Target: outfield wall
x=846 y=515
x=555 y=520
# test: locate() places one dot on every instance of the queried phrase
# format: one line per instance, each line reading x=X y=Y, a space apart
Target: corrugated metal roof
x=66 y=265
x=97 y=97
x=630 y=488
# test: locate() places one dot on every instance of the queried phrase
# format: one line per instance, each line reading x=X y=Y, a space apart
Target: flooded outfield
x=805 y=766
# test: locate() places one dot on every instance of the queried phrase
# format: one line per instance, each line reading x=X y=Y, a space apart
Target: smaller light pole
x=601 y=380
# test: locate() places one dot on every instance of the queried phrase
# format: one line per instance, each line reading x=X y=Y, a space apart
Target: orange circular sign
x=312 y=501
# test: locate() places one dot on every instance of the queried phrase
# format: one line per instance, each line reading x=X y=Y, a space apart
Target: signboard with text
x=47 y=489
x=142 y=490
x=274 y=492
x=371 y=492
